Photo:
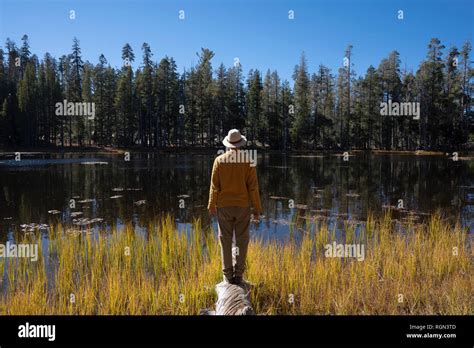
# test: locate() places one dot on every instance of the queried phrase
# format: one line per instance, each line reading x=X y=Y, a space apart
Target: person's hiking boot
x=229 y=280
x=228 y=274
x=238 y=279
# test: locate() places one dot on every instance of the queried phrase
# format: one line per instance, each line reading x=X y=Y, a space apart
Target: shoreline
x=207 y=150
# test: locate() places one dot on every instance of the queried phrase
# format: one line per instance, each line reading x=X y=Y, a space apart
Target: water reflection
x=77 y=189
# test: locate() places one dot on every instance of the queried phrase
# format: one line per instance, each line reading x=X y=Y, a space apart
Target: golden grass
x=165 y=272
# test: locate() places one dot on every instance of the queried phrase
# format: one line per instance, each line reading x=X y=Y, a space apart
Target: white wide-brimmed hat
x=234 y=139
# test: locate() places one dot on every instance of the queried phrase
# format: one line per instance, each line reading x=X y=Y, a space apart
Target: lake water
x=76 y=188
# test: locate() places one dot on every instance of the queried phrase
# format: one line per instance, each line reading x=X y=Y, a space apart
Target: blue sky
x=258 y=32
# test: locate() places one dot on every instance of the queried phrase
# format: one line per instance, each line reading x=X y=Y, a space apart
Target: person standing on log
x=234 y=187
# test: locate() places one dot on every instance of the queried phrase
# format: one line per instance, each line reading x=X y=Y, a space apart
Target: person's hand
x=256 y=217
x=213 y=211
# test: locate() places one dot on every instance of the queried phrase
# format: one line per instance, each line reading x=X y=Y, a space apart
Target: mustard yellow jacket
x=233 y=184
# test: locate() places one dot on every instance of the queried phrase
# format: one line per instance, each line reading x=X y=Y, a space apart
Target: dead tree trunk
x=232 y=300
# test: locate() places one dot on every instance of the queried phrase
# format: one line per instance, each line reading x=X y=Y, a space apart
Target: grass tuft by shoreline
x=427 y=270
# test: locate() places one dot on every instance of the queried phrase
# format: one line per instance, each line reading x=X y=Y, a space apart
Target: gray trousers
x=233 y=219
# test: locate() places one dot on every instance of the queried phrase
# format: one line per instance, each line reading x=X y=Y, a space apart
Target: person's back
x=237 y=180
x=234 y=187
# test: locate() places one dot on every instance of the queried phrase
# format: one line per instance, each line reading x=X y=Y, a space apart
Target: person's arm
x=215 y=187
x=252 y=187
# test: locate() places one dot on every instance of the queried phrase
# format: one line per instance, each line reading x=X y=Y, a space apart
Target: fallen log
x=232 y=299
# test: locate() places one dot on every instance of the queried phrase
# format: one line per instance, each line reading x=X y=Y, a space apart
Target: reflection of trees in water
x=424 y=183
